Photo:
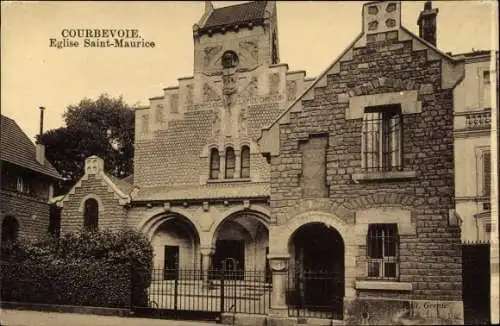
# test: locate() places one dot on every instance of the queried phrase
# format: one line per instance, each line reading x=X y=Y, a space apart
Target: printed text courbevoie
x=100 y=32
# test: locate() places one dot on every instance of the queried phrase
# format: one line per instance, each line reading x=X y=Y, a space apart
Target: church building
x=247 y=165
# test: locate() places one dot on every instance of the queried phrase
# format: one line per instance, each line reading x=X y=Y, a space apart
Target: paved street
x=10 y=317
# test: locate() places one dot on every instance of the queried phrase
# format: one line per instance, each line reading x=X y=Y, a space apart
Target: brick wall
x=431 y=259
x=111 y=214
x=31 y=214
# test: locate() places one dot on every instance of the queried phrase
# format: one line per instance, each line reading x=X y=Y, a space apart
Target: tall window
x=245 y=162
x=91 y=215
x=382 y=139
x=10 y=229
x=486 y=173
x=230 y=163
x=382 y=245
x=214 y=164
x=20 y=184
x=486 y=89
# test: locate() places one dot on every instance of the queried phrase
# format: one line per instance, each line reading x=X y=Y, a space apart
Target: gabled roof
x=240 y=13
x=16 y=148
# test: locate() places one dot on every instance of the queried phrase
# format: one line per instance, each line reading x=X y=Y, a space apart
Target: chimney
x=40 y=149
x=427 y=23
x=209 y=7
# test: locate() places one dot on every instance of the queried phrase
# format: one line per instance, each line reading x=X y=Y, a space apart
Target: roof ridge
x=238 y=4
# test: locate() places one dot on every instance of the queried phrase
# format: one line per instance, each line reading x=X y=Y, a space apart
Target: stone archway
x=176 y=243
x=316 y=269
x=242 y=238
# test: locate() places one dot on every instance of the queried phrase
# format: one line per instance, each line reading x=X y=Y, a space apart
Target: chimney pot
x=427 y=23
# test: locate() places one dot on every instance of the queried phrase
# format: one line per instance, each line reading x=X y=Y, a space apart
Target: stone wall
x=111 y=214
x=430 y=259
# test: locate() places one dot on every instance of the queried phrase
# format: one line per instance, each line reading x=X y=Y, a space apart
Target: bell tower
x=244 y=33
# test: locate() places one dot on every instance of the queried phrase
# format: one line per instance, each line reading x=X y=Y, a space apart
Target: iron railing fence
x=191 y=292
x=315 y=294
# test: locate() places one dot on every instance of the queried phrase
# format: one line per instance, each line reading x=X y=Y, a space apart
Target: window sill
x=228 y=180
x=384 y=285
x=393 y=175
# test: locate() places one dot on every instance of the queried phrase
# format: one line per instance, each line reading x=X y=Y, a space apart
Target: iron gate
x=316 y=294
x=476 y=283
x=193 y=294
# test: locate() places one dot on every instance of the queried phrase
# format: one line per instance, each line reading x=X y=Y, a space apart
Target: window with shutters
x=214 y=164
x=382 y=247
x=230 y=163
x=382 y=139
x=245 y=162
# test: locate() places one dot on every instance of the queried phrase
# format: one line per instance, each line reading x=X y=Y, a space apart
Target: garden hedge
x=100 y=269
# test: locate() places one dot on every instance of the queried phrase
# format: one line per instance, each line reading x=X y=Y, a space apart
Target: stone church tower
x=197 y=163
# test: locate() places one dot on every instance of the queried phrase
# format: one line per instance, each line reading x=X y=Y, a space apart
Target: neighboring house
x=472 y=129
x=27 y=180
x=248 y=165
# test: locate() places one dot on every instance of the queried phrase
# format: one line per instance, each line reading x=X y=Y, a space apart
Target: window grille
x=230 y=163
x=214 y=164
x=245 y=162
x=382 y=139
x=383 y=243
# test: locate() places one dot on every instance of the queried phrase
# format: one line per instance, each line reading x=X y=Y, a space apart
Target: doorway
x=171 y=263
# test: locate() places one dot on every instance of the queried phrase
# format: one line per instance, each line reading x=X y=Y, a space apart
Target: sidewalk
x=10 y=317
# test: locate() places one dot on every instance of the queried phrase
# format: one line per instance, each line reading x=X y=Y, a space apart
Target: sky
x=311 y=35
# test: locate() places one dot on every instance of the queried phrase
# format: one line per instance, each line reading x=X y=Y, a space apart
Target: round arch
x=259 y=213
x=151 y=223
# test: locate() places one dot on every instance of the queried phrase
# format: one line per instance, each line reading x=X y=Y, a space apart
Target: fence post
x=176 y=285
x=222 y=291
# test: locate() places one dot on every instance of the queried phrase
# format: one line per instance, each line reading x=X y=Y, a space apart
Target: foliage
x=102 y=127
x=83 y=268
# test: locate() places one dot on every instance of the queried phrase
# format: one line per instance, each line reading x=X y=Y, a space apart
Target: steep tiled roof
x=17 y=148
x=208 y=191
x=236 y=14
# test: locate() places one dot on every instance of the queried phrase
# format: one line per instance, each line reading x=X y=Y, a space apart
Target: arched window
x=230 y=163
x=214 y=164
x=245 y=162
x=91 y=215
x=20 y=184
x=10 y=229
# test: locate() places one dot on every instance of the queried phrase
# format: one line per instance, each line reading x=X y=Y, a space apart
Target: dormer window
x=229 y=60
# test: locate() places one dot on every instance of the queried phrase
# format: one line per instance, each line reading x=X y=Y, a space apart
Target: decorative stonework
x=159 y=113
x=229 y=84
x=274 y=83
x=373 y=10
x=242 y=123
x=174 y=103
x=209 y=95
x=210 y=53
x=189 y=95
x=390 y=23
x=278 y=264
x=372 y=25
x=390 y=7
x=250 y=47
x=291 y=89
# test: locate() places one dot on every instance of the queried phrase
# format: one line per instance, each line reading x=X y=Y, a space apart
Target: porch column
x=279 y=268
x=206 y=259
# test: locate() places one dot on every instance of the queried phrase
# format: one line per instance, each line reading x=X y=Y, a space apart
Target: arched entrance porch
x=175 y=244
x=241 y=243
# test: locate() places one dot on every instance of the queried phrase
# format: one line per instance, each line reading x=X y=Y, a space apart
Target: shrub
x=104 y=268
